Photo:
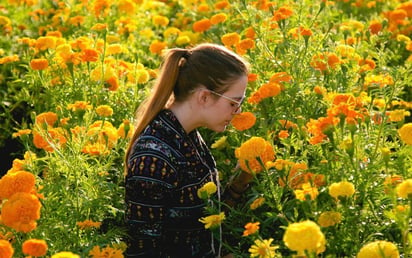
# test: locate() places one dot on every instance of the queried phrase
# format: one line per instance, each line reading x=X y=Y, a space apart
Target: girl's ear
x=202 y=97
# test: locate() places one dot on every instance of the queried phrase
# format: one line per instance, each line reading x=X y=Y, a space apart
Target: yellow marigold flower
x=48 y=118
x=329 y=218
x=213 y=221
x=160 y=20
x=86 y=224
x=65 y=255
x=263 y=248
x=398 y=115
x=34 y=247
x=21 y=211
x=103 y=132
x=405 y=133
x=43 y=43
x=243 y=121
x=20 y=181
x=95 y=149
x=341 y=189
x=257 y=203
x=251 y=228
x=306 y=191
x=220 y=143
x=218 y=18
x=230 y=39
x=378 y=249
x=183 y=40
x=304 y=237
x=404 y=189
x=202 y=25
x=6 y=249
x=104 y=110
x=171 y=32
x=39 y=64
x=207 y=190
x=403 y=38
x=141 y=76
x=114 y=49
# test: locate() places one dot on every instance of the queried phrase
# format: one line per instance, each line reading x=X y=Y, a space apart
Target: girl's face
x=226 y=105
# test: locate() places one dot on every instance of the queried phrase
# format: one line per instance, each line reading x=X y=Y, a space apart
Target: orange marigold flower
x=156 y=47
x=280 y=77
x=21 y=211
x=283 y=134
x=107 y=251
x=79 y=105
x=253 y=153
x=375 y=26
x=202 y=25
x=250 y=33
x=319 y=90
x=21 y=133
x=251 y=228
x=99 y=27
x=246 y=44
x=222 y=5
x=49 y=139
x=48 y=118
x=39 y=64
x=86 y=224
x=20 y=181
x=35 y=247
x=257 y=203
x=218 y=18
x=112 y=83
x=282 y=13
x=9 y=59
x=243 y=121
x=6 y=249
x=269 y=90
x=89 y=55
x=230 y=39
x=251 y=77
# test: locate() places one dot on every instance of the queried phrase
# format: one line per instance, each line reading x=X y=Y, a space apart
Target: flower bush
x=325 y=132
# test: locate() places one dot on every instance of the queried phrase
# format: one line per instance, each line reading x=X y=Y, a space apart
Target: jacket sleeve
x=148 y=187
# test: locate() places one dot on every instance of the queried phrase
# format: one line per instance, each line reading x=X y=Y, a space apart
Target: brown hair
x=183 y=71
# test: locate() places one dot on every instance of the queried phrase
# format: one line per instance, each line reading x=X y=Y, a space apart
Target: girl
x=167 y=160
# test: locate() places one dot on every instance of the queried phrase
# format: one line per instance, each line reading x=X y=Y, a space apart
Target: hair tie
x=187 y=54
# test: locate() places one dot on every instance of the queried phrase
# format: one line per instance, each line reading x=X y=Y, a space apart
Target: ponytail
x=161 y=94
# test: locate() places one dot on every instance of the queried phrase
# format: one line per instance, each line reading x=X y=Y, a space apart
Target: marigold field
x=325 y=132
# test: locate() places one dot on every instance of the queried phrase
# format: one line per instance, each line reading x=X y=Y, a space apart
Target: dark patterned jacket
x=164 y=171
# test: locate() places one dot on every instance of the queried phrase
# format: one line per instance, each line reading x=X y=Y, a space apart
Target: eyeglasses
x=238 y=103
